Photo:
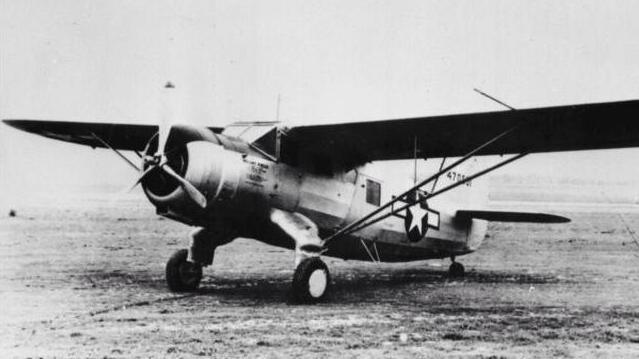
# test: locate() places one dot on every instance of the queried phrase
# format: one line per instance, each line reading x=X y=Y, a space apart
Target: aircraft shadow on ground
x=353 y=286
x=359 y=285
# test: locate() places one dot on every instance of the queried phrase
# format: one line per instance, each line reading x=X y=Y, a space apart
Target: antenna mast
x=415 y=160
x=277 y=114
x=494 y=99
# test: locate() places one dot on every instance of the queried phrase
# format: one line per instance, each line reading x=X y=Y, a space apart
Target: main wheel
x=182 y=275
x=311 y=281
x=456 y=270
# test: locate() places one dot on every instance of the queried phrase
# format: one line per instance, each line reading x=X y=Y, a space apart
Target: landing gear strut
x=310 y=281
x=456 y=269
x=182 y=275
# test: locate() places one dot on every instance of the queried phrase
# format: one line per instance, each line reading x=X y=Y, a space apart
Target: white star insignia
x=418 y=214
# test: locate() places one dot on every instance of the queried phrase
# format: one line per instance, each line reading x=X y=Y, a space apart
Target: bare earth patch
x=87 y=281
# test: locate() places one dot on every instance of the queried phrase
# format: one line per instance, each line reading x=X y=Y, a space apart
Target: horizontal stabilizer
x=503 y=216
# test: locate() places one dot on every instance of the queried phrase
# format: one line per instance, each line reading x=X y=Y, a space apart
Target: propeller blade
x=163 y=136
x=142 y=176
x=190 y=189
x=166 y=118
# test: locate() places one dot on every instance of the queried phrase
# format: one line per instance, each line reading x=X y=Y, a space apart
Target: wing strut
x=393 y=212
x=363 y=224
x=441 y=165
x=417 y=186
x=370 y=255
x=107 y=145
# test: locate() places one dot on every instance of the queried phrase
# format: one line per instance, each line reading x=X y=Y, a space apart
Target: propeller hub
x=153 y=160
x=157 y=180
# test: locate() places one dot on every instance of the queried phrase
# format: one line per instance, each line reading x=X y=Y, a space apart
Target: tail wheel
x=182 y=275
x=456 y=270
x=311 y=281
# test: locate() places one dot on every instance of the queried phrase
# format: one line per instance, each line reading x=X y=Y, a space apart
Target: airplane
x=312 y=189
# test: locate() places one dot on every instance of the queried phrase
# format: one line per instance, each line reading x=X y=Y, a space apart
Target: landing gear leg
x=184 y=268
x=456 y=269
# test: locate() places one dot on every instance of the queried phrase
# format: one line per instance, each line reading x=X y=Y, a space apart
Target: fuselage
x=244 y=188
x=333 y=202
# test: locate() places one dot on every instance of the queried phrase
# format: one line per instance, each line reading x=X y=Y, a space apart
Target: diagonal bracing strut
x=418 y=185
x=107 y=145
x=363 y=225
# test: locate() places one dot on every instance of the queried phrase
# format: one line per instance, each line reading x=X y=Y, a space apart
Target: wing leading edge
x=120 y=136
x=346 y=145
x=548 y=129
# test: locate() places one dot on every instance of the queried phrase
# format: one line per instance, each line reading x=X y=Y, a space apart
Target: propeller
x=159 y=161
x=190 y=189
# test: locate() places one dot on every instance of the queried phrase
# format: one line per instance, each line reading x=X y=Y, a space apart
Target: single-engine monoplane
x=312 y=188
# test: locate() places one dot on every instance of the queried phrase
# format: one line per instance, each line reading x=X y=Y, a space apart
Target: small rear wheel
x=182 y=275
x=456 y=270
x=311 y=281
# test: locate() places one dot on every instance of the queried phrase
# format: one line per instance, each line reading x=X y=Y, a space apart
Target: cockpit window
x=260 y=135
x=249 y=132
x=254 y=133
x=234 y=130
x=373 y=190
x=268 y=142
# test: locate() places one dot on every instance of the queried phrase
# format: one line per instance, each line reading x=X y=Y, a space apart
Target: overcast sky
x=331 y=61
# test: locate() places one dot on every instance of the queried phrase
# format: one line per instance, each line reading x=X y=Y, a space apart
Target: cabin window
x=268 y=142
x=373 y=190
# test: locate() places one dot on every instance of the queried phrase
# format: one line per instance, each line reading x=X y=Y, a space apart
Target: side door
x=368 y=195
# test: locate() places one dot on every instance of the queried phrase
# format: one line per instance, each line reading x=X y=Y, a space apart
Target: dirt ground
x=86 y=279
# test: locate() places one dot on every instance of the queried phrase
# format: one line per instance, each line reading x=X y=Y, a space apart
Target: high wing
x=548 y=129
x=117 y=135
x=346 y=145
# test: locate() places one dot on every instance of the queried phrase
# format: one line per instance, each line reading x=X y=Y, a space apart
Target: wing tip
x=9 y=121
x=18 y=123
x=560 y=219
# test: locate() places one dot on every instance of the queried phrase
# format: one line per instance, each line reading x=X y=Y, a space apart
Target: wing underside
x=119 y=136
x=347 y=145
x=549 y=129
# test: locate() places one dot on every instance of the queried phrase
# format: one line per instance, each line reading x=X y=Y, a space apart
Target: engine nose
x=158 y=182
x=213 y=170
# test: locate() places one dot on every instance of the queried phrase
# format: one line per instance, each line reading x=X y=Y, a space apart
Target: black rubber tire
x=456 y=270
x=182 y=275
x=301 y=287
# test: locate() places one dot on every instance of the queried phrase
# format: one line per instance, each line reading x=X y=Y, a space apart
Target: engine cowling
x=208 y=166
x=237 y=181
